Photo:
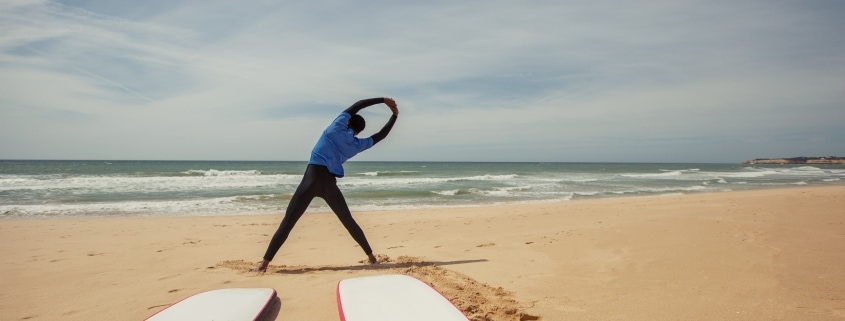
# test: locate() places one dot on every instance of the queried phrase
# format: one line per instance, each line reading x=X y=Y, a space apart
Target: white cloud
x=546 y=81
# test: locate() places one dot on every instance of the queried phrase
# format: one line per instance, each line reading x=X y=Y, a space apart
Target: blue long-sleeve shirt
x=338 y=143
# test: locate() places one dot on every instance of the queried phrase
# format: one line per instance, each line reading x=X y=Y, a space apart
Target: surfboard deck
x=393 y=297
x=234 y=304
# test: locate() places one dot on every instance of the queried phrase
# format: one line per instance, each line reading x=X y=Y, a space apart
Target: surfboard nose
x=393 y=297
x=235 y=304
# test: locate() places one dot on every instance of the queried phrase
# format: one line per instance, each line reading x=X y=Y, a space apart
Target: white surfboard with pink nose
x=393 y=297
x=247 y=304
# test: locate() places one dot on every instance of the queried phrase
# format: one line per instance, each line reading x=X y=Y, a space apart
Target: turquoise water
x=176 y=188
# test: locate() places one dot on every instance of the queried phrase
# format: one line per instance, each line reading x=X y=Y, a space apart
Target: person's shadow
x=370 y=267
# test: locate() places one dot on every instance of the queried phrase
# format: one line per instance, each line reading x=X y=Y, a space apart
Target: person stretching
x=337 y=145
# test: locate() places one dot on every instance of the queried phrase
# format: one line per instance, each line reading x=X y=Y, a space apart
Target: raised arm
x=377 y=137
x=364 y=103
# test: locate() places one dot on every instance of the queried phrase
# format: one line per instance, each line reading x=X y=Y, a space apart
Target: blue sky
x=571 y=81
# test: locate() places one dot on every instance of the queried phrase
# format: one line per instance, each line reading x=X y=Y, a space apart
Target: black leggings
x=317 y=182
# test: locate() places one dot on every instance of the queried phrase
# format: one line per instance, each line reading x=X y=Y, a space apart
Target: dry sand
x=752 y=255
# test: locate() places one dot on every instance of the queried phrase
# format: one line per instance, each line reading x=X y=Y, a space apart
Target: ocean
x=52 y=189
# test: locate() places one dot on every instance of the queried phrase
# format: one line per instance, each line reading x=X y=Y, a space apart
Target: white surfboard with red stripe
x=247 y=304
x=392 y=297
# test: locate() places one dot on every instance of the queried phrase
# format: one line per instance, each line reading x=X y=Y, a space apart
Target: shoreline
x=739 y=255
x=214 y=188
x=325 y=210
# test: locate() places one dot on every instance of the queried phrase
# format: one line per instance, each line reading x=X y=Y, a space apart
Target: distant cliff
x=799 y=160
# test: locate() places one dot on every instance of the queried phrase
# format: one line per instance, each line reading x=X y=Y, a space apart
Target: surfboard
x=393 y=297
x=234 y=304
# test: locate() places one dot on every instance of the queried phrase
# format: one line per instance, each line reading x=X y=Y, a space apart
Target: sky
x=535 y=81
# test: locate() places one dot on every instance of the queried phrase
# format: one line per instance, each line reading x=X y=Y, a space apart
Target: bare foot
x=372 y=259
x=262 y=267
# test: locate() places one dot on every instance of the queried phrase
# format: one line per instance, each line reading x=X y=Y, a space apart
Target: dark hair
x=357 y=123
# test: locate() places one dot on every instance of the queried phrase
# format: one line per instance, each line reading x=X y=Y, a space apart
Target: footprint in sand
x=168 y=277
x=71 y=312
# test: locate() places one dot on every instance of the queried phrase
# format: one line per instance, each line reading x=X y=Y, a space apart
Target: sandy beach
x=774 y=254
